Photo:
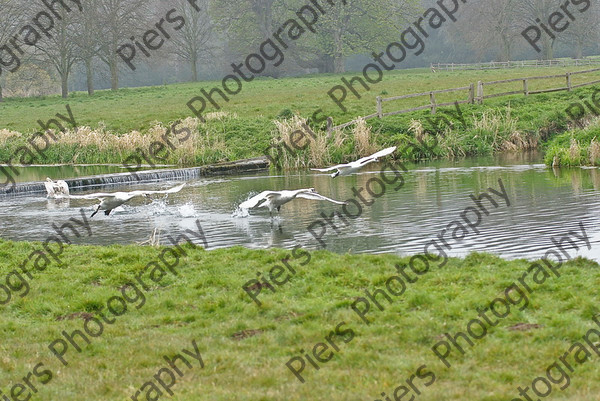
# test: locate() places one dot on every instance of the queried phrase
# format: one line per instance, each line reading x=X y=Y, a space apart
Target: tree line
x=87 y=44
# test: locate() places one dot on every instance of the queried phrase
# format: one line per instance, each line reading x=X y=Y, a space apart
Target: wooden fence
x=494 y=65
x=472 y=97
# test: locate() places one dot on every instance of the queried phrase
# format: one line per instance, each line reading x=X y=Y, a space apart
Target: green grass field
x=136 y=109
x=245 y=348
x=249 y=127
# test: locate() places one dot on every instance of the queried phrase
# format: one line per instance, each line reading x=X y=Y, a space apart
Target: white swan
x=275 y=199
x=56 y=188
x=349 y=168
x=110 y=201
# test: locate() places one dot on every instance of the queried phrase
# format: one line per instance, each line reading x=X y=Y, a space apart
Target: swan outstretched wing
x=257 y=199
x=381 y=153
x=124 y=195
x=339 y=166
x=166 y=191
x=316 y=196
x=97 y=195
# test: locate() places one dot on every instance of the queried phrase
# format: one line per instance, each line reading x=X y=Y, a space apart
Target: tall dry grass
x=320 y=150
x=363 y=139
x=594 y=152
x=203 y=139
x=574 y=150
x=503 y=129
x=6 y=134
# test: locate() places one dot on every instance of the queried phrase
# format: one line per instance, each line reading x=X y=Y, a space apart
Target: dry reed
x=363 y=144
x=594 y=152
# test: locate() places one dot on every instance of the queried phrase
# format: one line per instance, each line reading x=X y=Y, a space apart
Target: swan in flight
x=275 y=199
x=56 y=188
x=110 y=201
x=350 y=168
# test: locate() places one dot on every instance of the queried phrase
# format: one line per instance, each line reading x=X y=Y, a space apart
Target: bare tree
x=119 y=19
x=58 y=49
x=534 y=10
x=491 y=25
x=11 y=17
x=194 y=41
x=246 y=24
x=87 y=34
x=582 y=32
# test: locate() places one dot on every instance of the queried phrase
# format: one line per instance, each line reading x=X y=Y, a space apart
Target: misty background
x=81 y=52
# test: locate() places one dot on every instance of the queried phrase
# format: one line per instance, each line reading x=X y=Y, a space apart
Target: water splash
x=240 y=213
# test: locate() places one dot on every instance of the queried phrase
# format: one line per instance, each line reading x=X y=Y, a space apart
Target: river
x=544 y=203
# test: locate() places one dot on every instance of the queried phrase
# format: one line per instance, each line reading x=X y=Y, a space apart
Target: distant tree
x=247 y=23
x=354 y=28
x=358 y=27
x=531 y=11
x=195 y=41
x=30 y=80
x=87 y=38
x=488 y=25
x=58 y=49
x=119 y=20
x=582 y=32
x=11 y=17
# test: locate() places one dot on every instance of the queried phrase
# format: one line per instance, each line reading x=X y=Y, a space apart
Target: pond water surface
x=544 y=203
x=62 y=172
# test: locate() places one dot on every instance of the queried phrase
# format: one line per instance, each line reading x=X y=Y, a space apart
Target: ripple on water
x=544 y=203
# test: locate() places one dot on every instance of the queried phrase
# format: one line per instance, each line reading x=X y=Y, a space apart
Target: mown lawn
x=245 y=347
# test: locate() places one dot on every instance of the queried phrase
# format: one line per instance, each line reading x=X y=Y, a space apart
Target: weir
x=182 y=174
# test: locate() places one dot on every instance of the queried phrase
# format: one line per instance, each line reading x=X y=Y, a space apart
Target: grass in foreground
x=205 y=302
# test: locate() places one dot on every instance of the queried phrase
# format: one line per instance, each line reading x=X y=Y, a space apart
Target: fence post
x=525 y=87
x=329 y=125
x=433 y=104
x=379 y=107
x=569 y=86
x=472 y=93
x=480 y=92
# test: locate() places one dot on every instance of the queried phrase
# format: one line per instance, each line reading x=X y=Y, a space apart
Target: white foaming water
x=240 y=213
x=187 y=210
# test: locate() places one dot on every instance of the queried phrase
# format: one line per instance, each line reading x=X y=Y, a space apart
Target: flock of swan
x=269 y=199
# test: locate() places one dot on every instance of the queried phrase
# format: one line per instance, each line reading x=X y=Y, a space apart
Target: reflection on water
x=61 y=172
x=544 y=203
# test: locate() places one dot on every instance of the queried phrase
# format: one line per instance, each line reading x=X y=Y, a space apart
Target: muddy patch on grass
x=525 y=327
x=242 y=335
x=289 y=316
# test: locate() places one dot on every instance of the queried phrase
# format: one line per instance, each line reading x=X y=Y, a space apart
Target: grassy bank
x=245 y=347
x=118 y=122
x=578 y=147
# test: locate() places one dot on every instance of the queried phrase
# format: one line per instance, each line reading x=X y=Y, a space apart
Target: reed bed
x=322 y=149
x=495 y=130
x=204 y=144
x=578 y=147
